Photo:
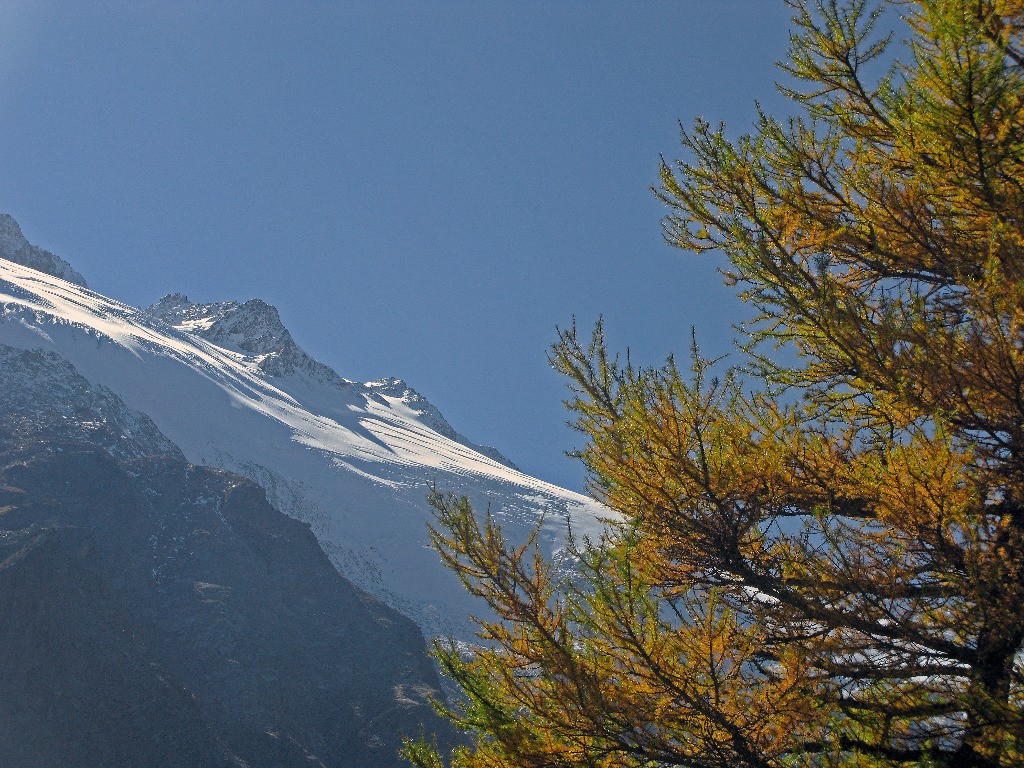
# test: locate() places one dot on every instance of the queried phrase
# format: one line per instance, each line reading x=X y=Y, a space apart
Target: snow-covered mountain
x=254 y=329
x=229 y=386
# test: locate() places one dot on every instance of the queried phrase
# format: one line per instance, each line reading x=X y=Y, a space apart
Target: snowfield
x=228 y=385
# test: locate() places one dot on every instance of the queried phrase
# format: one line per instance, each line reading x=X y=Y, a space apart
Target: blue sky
x=423 y=189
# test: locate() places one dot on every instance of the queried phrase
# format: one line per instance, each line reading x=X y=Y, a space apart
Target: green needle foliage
x=821 y=564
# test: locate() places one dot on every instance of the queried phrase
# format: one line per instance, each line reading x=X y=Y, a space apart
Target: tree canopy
x=819 y=562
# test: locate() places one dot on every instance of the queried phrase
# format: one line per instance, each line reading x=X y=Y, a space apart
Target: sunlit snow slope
x=353 y=460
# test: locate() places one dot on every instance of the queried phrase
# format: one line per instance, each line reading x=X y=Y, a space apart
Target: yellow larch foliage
x=818 y=563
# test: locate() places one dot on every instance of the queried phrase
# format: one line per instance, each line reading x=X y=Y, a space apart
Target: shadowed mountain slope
x=156 y=613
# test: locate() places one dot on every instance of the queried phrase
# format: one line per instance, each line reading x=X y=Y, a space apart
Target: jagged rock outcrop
x=253 y=328
x=14 y=247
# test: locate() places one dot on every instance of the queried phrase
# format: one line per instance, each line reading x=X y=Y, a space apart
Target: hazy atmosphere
x=424 y=190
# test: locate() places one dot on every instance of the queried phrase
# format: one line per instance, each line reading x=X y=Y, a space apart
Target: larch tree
x=819 y=563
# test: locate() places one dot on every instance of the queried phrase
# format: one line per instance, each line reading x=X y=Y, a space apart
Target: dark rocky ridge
x=14 y=247
x=155 y=613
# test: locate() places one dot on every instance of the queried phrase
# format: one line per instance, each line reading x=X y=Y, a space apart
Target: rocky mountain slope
x=157 y=613
x=227 y=384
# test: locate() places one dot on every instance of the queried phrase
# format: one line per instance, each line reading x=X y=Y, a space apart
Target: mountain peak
x=11 y=238
x=252 y=328
x=14 y=247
